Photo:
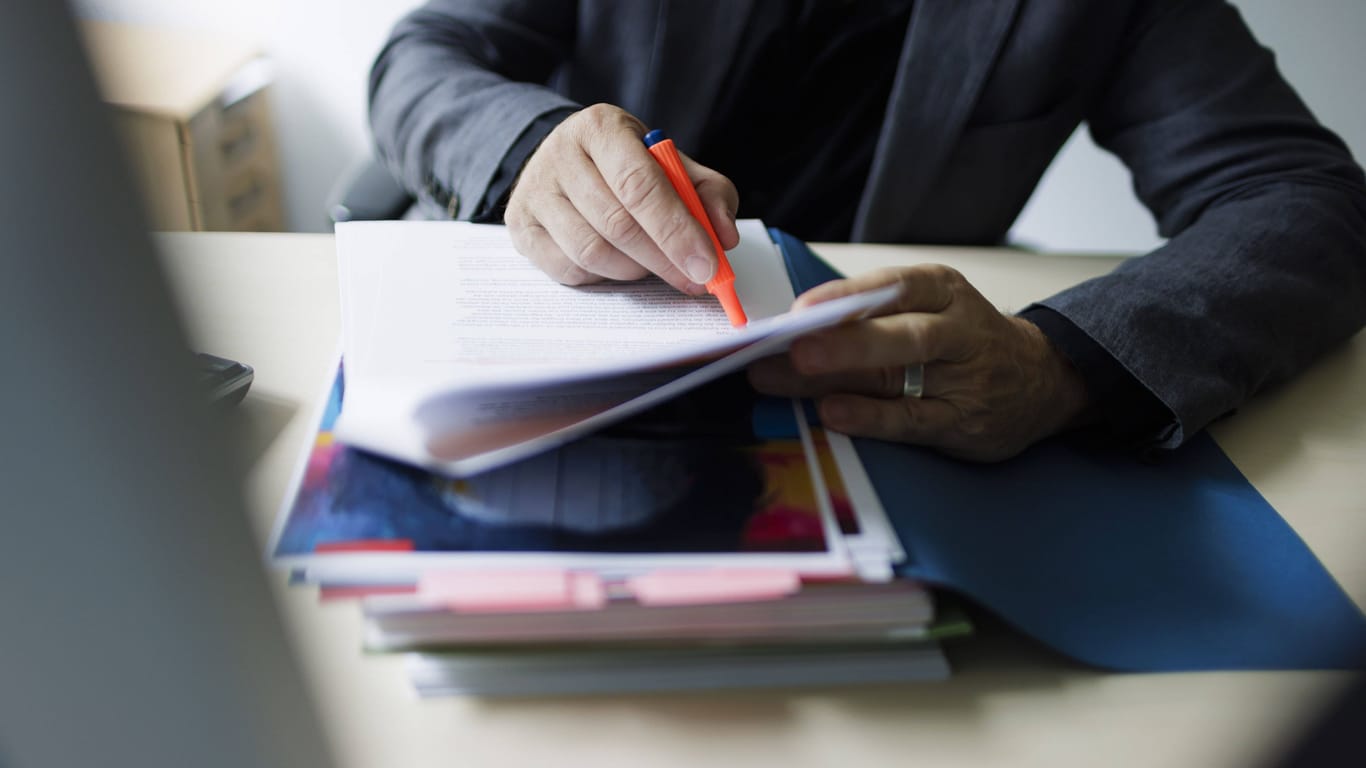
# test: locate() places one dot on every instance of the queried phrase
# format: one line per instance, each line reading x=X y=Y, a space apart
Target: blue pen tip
x=654 y=137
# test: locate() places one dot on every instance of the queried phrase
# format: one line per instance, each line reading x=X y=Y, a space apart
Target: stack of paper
x=536 y=488
x=727 y=610
x=630 y=669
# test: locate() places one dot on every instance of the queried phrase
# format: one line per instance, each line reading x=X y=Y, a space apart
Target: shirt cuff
x=495 y=202
x=1128 y=410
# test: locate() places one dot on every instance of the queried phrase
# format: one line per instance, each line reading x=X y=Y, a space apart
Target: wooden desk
x=271 y=300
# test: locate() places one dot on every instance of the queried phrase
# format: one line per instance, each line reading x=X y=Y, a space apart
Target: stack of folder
x=525 y=507
x=670 y=551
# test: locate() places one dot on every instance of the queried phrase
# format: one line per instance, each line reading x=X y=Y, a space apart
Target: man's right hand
x=592 y=203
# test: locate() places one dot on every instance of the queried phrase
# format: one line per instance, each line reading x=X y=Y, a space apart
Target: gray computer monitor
x=136 y=625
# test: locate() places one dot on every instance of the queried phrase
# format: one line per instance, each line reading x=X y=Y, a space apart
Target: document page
x=456 y=301
x=460 y=355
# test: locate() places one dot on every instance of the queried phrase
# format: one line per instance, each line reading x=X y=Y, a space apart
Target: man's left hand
x=992 y=384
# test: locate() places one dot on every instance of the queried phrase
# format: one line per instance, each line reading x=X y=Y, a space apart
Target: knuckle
x=569 y=273
x=899 y=276
x=891 y=380
x=595 y=116
x=911 y=424
x=532 y=241
x=619 y=226
x=940 y=281
x=528 y=237
x=619 y=119
x=674 y=232
x=603 y=120
x=531 y=184
x=916 y=338
x=593 y=254
x=904 y=280
x=974 y=426
x=944 y=274
x=989 y=379
x=637 y=185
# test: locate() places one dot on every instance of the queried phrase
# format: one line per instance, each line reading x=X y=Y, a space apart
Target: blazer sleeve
x=458 y=85
x=1265 y=210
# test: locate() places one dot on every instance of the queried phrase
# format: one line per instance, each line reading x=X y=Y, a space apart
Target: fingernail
x=699 y=268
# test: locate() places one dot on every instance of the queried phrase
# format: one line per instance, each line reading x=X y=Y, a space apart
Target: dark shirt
x=802 y=120
x=796 y=130
x=797 y=126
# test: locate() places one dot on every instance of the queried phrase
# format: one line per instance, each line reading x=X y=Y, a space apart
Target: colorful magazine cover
x=697 y=475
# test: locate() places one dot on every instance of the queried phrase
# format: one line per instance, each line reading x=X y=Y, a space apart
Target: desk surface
x=271 y=300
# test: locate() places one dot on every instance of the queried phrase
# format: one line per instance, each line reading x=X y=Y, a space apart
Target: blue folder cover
x=1177 y=565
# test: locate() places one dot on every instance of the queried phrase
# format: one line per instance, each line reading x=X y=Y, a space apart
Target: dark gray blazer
x=1265 y=209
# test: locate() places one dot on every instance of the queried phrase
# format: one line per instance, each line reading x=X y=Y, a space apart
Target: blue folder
x=1174 y=565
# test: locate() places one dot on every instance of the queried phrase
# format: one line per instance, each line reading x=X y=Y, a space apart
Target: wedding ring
x=913 y=381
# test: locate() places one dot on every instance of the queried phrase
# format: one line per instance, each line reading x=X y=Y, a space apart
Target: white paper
x=876 y=542
x=461 y=356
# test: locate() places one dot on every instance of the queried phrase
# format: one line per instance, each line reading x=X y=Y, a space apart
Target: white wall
x=323 y=50
x=1085 y=202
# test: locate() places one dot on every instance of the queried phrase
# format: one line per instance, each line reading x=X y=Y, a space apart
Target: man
x=910 y=121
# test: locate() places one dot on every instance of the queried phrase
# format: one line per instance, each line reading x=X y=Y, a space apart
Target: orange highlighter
x=722 y=284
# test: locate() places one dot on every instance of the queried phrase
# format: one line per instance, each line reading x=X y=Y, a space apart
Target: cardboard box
x=193 y=110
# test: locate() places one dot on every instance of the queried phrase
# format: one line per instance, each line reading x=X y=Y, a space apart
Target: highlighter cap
x=654 y=137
